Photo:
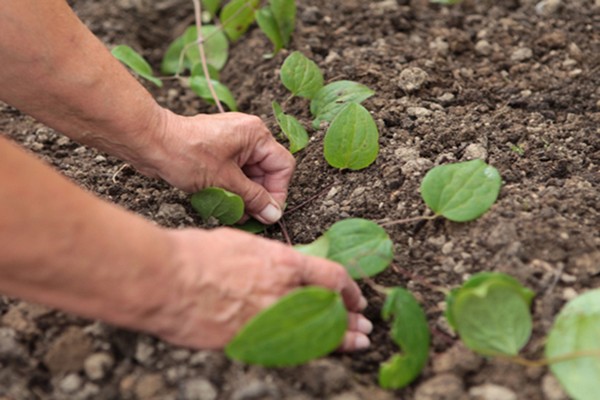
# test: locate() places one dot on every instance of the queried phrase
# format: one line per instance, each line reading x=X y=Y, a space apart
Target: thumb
x=257 y=199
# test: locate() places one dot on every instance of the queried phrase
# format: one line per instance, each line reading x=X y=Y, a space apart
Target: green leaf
x=307 y=323
x=199 y=85
x=251 y=226
x=332 y=98
x=211 y=6
x=361 y=246
x=267 y=24
x=227 y=207
x=136 y=62
x=237 y=16
x=292 y=129
x=411 y=333
x=170 y=63
x=198 y=70
x=462 y=191
x=577 y=330
x=491 y=314
x=479 y=280
x=284 y=12
x=318 y=248
x=216 y=46
x=301 y=76
x=352 y=140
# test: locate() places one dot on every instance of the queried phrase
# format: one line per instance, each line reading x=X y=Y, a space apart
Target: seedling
x=411 y=333
x=227 y=207
x=351 y=141
x=573 y=345
x=491 y=314
x=284 y=334
x=204 y=50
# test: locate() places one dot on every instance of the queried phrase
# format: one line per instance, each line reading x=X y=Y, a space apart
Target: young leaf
x=481 y=278
x=493 y=317
x=237 y=16
x=352 y=140
x=576 y=330
x=301 y=76
x=332 y=98
x=307 y=323
x=318 y=248
x=411 y=333
x=199 y=85
x=211 y=6
x=136 y=62
x=251 y=226
x=267 y=24
x=292 y=129
x=361 y=246
x=462 y=191
x=216 y=46
x=227 y=207
x=284 y=12
x=171 y=61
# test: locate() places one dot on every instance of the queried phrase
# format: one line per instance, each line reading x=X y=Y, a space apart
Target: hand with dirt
x=234 y=151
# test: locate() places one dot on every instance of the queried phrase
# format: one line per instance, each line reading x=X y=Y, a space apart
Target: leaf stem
x=310 y=199
x=284 y=230
x=407 y=274
x=200 y=41
x=548 y=361
x=409 y=220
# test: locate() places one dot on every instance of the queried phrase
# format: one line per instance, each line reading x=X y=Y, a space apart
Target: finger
x=273 y=165
x=354 y=341
x=257 y=200
x=318 y=271
x=358 y=323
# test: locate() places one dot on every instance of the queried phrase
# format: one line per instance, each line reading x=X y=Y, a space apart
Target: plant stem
x=379 y=289
x=406 y=273
x=284 y=230
x=548 y=361
x=200 y=41
x=310 y=199
x=408 y=220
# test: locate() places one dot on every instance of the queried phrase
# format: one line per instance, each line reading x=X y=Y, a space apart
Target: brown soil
x=503 y=82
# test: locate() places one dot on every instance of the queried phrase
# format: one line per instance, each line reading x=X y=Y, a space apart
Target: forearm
x=65 y=248
x=56 y=70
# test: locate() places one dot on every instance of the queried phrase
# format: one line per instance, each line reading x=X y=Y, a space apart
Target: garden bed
x=494 y=80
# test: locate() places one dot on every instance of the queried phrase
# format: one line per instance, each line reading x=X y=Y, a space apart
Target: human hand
x=233 y=151
x=226 y=276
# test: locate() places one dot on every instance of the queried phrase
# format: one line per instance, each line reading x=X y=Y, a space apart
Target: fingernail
x=362 y=303
x=361 y=342
x=364 y=325
x=270 y=214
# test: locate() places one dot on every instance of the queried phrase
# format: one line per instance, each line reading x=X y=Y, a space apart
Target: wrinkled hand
x=226 y=276
x=233 y=151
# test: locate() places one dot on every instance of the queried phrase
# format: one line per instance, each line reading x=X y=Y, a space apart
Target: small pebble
x=97 y=365
x=490 y=391
x=521 y=54
x=412 y=79
x=198 y=389
x=547 y=7
x=70 y=383
x=483 y=48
